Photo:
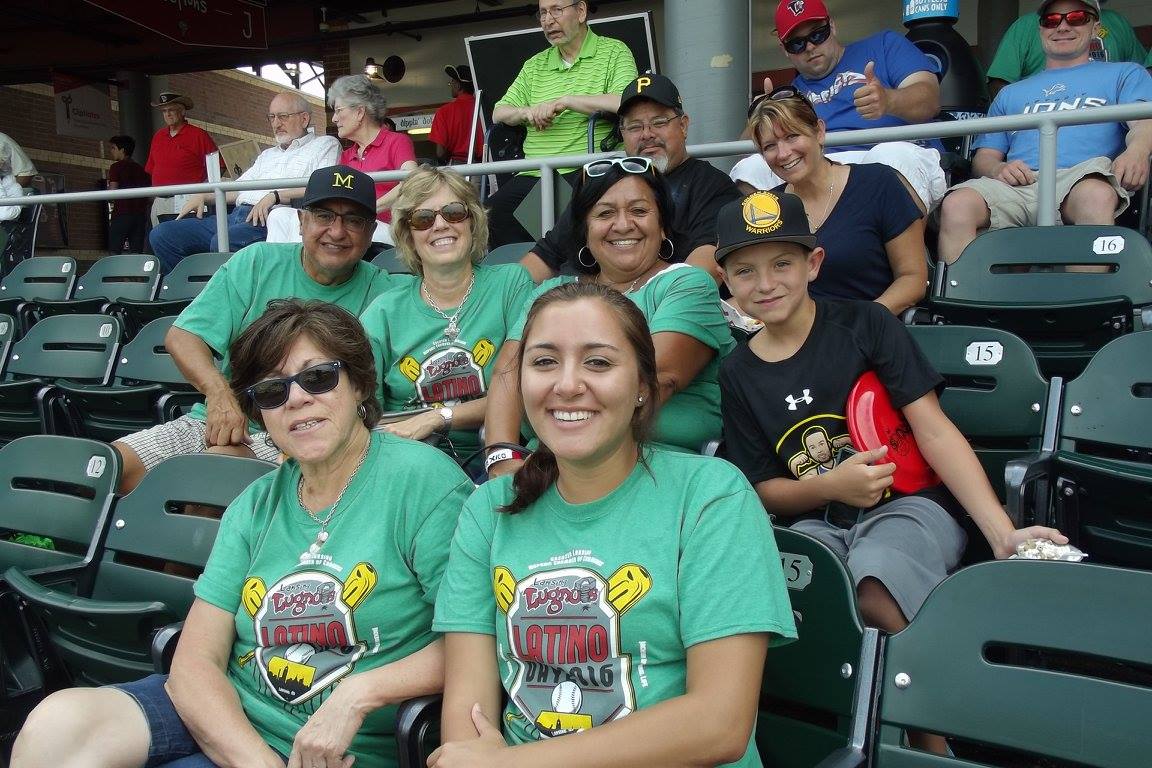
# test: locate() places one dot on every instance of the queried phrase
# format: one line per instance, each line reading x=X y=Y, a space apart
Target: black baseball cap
x=339 y=182
x=762 y=217
x=461 y=74
x=653 y=87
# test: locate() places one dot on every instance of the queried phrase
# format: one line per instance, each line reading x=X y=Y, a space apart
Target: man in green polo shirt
x=555 y=92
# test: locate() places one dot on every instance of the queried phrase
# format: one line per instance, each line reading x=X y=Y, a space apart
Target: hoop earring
x=671 y=249
x=362 y=411
x=268 y=442
x=580 y=258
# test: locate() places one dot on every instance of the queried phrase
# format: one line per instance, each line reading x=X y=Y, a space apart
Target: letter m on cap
x=342 y=180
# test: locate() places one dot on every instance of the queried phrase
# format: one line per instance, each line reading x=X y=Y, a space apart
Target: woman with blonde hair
x=864 y=216
x=435 y=337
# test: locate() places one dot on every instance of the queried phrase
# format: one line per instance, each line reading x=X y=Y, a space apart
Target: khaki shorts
x=182 y=436
x=1010 y=206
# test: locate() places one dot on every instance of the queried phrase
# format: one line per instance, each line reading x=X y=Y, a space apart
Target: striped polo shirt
x=604 y=65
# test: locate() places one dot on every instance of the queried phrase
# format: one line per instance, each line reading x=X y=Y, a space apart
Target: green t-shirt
x=418 y=366
x=1020 y=53
x=596 y=604
x=240 y=290
x=364 y=600
x=603 y=65
x=681 y=299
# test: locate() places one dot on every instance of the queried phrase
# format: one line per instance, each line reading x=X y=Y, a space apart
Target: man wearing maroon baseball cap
x=880 y=81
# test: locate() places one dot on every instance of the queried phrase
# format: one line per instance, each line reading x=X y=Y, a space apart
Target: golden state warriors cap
x=762 y=217
x=339 y=182
x=653 y=87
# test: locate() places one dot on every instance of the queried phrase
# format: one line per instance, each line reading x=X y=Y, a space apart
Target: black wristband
x=276 y=194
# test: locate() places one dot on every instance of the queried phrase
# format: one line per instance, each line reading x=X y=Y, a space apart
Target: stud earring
x=640 y=400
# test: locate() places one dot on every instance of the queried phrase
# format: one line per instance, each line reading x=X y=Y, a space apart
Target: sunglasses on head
x=638 y=165
x=423 y=218
x=1074 y=19
x=776 y=94
x=795 y=45
x=315 y=380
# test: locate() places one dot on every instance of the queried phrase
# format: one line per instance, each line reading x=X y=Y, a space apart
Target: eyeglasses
x=776 y=94
x=658 y=124
x=637 y=165
x=795 y=45
x=338 y=110
x=554 y=12
x=282 y=116
x=315 y=380
x=1074 y=19
x=424 y=218
x=353 y=222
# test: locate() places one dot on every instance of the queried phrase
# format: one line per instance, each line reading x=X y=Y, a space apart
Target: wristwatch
x=446 y=414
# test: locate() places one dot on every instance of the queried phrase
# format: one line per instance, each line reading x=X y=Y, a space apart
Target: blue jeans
x=173 y=240
x=170 y=744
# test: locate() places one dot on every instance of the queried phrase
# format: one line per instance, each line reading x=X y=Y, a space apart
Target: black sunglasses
x=423 y=218
x=795 y=45
x=1074 y=19
x=776 y=94
x=315 y=380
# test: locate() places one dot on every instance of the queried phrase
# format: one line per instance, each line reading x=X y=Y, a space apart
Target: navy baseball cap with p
x=340 y=182
x=762 y=217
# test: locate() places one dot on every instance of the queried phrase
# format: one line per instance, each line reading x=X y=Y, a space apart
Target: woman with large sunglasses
x=622 y=211
x=864 y=215
x=313 y=615
x=435 y=338
x=622 y=596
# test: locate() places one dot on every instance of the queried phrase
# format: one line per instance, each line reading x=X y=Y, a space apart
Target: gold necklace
x=322 y=535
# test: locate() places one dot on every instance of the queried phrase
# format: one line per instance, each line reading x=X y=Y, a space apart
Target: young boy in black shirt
x=784 y=394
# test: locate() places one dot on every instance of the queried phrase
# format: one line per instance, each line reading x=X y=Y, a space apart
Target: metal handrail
x=1048 y=123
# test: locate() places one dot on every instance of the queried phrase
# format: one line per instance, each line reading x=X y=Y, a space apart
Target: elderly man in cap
x=296 y=153
x=456 y=122
x=580 y=73
x=878 y=82
x=1098 y=165
x=177 y=154
x=337 y=218
x=654 y=125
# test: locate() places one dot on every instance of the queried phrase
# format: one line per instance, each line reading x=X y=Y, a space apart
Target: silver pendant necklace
x=322 y=535
x=452 y=331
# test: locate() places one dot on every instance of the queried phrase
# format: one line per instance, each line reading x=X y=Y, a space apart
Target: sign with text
x=216 y=23
x=409 y=122
x=83 y=109
x=931 y=9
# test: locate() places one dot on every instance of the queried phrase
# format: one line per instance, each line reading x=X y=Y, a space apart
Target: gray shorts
x=909 y=545
x=185 y=435
x=1010 y=206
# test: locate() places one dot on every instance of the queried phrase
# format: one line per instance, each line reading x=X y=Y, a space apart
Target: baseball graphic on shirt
x=299 y=653
x=567 y=697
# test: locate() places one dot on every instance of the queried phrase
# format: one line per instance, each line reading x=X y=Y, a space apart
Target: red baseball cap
x=792 y=13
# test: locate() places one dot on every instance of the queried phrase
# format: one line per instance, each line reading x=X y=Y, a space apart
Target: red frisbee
x=873 y=422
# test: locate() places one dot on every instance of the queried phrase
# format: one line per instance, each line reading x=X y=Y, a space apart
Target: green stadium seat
x=104 y=632
x=177 y=289
x=55 y=487
x=509 y=253
x=1041 y=660
x=1016 y=279
x=50 y=278
x=7 y=334
x=147 y=389
x=815 y=698
x=1099 y=478
x=77 y=347
x=388 y=261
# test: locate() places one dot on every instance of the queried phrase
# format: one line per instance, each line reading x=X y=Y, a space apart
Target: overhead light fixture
x=372 y=69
